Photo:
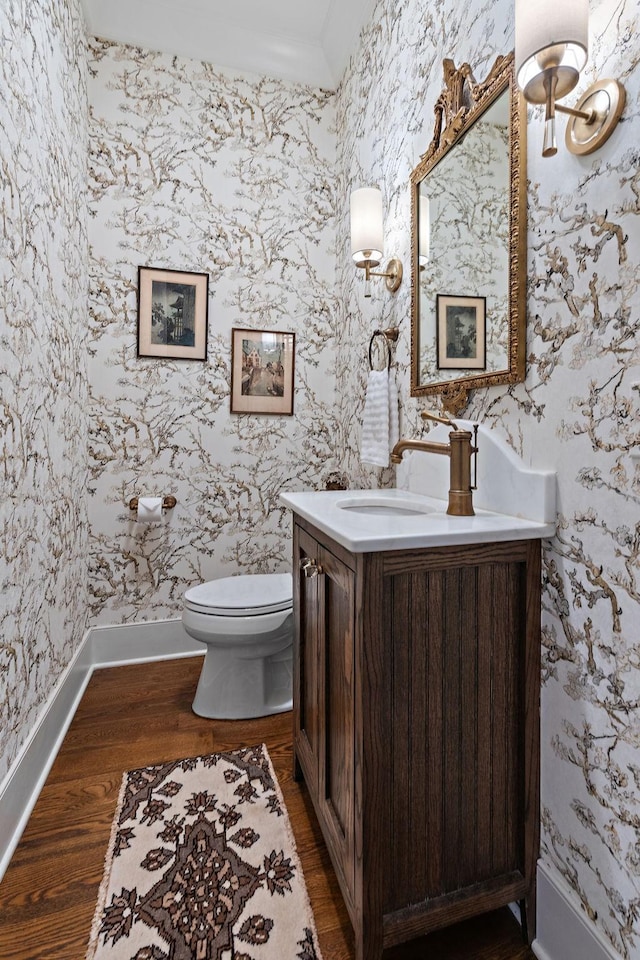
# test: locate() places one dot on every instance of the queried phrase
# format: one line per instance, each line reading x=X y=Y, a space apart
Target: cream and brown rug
x=202 y=865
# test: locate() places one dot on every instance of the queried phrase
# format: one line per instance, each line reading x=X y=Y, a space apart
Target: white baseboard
x=100 y=647
x=22 y=785
x=564 y=932
x=117 y=645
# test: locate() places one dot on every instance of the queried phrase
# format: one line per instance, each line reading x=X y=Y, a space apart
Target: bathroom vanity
x=416 y=706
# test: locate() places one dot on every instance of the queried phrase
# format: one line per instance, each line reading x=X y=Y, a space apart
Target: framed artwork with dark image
x=173 y=308
x=262 y=371
x=461 y=332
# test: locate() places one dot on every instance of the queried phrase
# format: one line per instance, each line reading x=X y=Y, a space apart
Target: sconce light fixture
x=552 y=43
x=366 y=238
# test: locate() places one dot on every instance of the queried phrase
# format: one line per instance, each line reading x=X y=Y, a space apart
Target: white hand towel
x=379 y=420
x=394 y=416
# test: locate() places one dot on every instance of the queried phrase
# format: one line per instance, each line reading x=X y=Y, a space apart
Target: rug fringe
x=106 y=874
x=294 y=847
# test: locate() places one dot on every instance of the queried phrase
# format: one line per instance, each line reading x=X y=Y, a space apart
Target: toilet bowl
x=247 y=624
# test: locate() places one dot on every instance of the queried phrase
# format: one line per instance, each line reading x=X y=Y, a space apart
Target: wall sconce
x=366 y=238
x=552 y=43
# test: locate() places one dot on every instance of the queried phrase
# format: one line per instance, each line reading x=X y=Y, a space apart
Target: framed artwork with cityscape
x=262 y=371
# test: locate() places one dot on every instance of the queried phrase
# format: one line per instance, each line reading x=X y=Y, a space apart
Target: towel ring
x=388 y=335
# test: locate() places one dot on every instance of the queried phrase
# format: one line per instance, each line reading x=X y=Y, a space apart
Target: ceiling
x=308 y=41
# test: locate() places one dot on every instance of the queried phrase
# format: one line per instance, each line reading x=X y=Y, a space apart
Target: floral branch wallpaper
x=195 y=169
x=248 y=179
x=43 y=378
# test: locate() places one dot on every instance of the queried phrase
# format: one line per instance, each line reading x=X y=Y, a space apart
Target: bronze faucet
x=459 y=450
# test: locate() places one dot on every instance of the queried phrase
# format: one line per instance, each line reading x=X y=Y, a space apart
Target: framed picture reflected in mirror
x=461 y=332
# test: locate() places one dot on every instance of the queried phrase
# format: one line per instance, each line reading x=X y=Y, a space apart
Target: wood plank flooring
x=137 y=715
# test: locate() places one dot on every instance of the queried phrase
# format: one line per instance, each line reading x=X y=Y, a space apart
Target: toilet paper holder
x=168 y=503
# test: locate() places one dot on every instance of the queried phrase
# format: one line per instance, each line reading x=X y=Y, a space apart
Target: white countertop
x=368 y=532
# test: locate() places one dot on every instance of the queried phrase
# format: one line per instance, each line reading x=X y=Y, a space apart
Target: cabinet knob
x=310 y=568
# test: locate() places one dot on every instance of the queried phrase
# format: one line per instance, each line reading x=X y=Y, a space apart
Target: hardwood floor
x=137 y=715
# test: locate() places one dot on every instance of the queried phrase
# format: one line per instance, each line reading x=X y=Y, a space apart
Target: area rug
x=202 y=865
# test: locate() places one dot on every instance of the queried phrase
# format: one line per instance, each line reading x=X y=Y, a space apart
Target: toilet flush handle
x=310 y=568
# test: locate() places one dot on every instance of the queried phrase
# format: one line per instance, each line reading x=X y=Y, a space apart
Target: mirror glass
x=468 y=233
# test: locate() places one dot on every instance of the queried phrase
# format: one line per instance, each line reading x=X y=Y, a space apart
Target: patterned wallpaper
x=43 y=384
x=577 y=412
x=196 y=169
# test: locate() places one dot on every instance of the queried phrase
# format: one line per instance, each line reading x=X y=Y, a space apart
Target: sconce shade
x=424 y=230
x=366 y=226
x=550 y=34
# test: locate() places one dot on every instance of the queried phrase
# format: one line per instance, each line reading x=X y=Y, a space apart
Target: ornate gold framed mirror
x=468 y=239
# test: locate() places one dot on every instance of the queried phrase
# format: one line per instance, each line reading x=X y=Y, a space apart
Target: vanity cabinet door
x=336 y=796
x=308 y=660
x=324 y=695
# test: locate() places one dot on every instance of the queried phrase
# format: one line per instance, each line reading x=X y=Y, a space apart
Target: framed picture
x=262 y=371
x=172 y=314
x=461 y=332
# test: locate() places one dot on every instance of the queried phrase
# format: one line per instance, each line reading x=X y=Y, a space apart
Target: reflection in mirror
x=468 y=234
x=463 y=225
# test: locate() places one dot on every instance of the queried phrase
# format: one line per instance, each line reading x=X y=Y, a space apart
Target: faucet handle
x=427 y=415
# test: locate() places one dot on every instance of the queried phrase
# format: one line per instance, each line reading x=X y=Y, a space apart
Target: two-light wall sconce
x=367 y=238
x=552 y=44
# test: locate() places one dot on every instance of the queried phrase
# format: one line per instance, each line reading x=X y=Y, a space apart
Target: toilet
x=247 y=624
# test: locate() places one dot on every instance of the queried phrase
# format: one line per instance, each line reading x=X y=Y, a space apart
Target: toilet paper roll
x=149 y=509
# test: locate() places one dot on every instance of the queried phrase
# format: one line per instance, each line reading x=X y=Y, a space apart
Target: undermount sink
x=394 y=518
x=384 y=508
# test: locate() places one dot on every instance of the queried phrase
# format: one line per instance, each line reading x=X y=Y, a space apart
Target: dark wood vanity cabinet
x=416 y=728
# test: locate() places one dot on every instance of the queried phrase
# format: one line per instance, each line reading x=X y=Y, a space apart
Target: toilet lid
x=243 y=596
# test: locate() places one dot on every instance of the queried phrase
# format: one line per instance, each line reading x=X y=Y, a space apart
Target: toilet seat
x=244 y=596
